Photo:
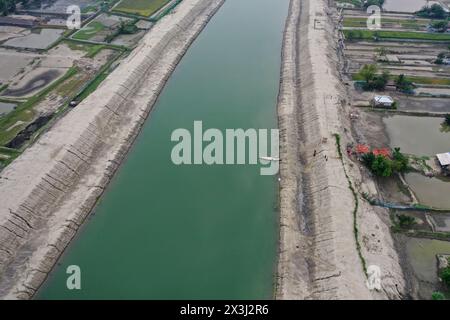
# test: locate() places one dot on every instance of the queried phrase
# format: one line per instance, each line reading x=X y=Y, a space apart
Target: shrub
x=437 y=296
x=447 y=119
x=406 y=221
x=445 y=276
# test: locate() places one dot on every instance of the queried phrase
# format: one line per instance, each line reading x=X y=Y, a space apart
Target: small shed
x=444 y=160
x=382 y=101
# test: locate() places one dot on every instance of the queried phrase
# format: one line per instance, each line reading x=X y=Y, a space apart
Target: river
x=190 y=232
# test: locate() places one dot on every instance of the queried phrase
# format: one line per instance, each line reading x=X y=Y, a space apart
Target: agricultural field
x=88 y=66
x=89 y=31
x=412 y=24
x=403 y=35
x=144 y=8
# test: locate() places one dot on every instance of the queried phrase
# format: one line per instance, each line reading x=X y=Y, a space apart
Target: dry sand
x=318 y=252
x=50 y=189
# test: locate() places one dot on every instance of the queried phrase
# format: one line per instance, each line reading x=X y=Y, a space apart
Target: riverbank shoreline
x=329 y=235
x=50 y=189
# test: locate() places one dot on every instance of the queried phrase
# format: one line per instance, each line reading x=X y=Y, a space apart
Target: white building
x=444 y=160
x=382 y=101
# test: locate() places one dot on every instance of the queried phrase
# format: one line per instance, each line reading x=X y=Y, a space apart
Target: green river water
x=188 y=232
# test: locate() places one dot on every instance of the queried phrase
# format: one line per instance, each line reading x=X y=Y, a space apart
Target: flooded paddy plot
x=6 y=107
x=27 y=73
x=37 y=39
x=440 y=221
x=422 y=257
x=59 y=6
x=9 y=32
x=128 y=40
x=404 y=5
x=11 y=63
x=422 y=104
x=32 y=82
x=420 y=136
x=434 y=192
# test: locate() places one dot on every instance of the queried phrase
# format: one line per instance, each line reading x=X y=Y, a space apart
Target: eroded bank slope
x=49 y=190
x=319 y=256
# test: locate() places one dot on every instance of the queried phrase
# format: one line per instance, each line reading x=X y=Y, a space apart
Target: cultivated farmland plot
x=144 y=8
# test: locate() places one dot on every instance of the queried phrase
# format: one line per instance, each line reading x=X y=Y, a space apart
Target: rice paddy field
x=144 y=8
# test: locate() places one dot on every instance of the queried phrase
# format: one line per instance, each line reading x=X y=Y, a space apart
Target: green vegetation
x=440 y=26
x=435 y=11
x=385 y=22
x=414 y=79
x=437 y=296
x=7 y=155
x=445 y=126
x=382 y=166
x=406 y=222
x=125 y=27
x=355 y=209
x=90 y=49
x=380 y=34
x=427 y=80
x=372 y=81
x=403 y=84
x=143 y=8
x=7 y=6
x=445 y=276
x=356 y=3
x=378 y=3
x=88 y=31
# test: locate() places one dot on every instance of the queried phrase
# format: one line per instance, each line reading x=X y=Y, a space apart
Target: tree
x=434 y=11
x=400 y=162
x=368 y=159
x=406 y=221
x=7 y=6
x=381 y=166
x=403 y=84
x=445 y=276
x=380 y=82
x=378 y=3
x=368 y=72
x=447 y=119
x=440 y=26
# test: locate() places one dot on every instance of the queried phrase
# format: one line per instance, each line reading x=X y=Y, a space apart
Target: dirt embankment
x=50 y=189
x=319 y=256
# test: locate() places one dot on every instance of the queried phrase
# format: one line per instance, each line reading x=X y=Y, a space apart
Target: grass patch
x=143 y=8
x=355 y=209
x=407 y=24
x=415 y=79
x=88 y=31
x=405 y=35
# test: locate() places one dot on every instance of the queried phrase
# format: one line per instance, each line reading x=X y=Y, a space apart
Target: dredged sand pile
x=49 y=190
x=318 y=252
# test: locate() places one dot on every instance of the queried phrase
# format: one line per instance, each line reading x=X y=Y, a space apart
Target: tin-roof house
x=444 y=161
x=382 y=101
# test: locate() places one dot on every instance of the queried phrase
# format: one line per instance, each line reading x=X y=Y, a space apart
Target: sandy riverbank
x=50 y=189
x=318 y=256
